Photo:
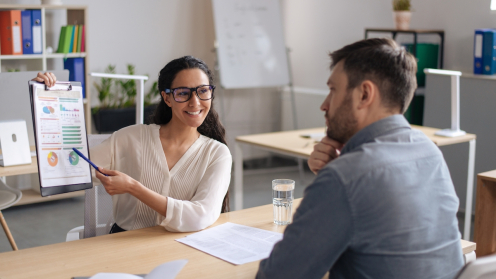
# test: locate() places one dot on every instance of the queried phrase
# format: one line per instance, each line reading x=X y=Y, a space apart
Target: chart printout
x=60 y=126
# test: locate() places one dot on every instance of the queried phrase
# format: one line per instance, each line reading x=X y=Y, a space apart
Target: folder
x=74 y=45
x=36 y=29
x=60 y=48
x=478 y=46
x=489 y=52
x=27 y=34
x=83 y=48
x=10 y=32
x=76 y=71
x=65 y=39
x=71 y=42
x=80 y=38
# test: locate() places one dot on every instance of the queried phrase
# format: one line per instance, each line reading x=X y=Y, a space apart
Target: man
x=383 y=204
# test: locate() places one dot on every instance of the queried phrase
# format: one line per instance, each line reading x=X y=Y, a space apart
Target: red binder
x=10 y=32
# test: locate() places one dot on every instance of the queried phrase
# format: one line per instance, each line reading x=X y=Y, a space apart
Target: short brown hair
x=383 y=62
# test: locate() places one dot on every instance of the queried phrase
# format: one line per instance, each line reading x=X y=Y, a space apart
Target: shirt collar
x=374 y=130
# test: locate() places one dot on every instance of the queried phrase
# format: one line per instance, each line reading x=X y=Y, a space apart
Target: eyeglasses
x=183 y=94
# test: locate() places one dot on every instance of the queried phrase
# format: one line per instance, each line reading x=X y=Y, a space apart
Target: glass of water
x=282 y=200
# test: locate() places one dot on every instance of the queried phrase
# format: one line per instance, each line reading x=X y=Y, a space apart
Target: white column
x=140 y=99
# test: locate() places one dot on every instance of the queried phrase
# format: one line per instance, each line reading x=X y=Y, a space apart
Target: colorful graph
x=63 y=108
x=73 y=158
x=48 y=110
x=52 y=159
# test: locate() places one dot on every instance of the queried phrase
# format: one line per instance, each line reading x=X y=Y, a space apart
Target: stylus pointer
x=87 y=160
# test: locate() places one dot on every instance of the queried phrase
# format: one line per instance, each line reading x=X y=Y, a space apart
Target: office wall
x=314 y=27
x=150 y=33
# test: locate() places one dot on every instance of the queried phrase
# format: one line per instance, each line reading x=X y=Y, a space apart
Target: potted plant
x=402 y=14
x=118 y=102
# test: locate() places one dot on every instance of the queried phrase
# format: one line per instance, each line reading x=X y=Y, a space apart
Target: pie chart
x=48 y=110
x=73 y=158
x=52 y=159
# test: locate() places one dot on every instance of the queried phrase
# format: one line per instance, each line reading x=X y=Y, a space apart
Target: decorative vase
x=51 y=2
x=402 y=19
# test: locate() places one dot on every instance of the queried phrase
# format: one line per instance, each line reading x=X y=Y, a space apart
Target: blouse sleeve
x=205 y=206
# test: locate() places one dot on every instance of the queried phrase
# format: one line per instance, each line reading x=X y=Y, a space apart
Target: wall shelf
x=75 y=15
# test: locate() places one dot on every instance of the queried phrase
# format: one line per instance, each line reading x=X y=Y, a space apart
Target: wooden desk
x=485 y=213
x=31 y=196
x=292 y=144
x=138 y=252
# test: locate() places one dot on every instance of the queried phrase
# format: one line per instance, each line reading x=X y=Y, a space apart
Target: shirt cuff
x=170 y=211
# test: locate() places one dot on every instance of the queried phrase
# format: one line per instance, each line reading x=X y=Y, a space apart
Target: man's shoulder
x=388 y=150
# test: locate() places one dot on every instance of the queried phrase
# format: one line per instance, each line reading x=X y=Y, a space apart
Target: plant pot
x=111 y=120
x=402 y=19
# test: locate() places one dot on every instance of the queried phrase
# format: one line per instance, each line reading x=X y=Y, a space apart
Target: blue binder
x=76 y=71
x=36 y=31
x=27 y=36
x=489 y=52
x=478 y=47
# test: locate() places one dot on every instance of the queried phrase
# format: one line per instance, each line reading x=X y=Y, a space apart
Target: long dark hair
x=211 y=126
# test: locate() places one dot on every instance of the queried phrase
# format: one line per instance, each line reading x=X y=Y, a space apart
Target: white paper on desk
x=234 y=243
x=167 y=270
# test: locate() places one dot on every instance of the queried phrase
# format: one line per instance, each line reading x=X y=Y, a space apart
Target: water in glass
x=282 y=199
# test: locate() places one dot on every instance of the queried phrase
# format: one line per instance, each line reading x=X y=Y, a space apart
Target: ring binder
x=69 y=88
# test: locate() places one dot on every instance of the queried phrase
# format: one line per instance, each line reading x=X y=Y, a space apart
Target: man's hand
x=324 y=152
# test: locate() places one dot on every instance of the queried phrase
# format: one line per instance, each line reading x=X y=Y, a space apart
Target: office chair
x=8 y=197
x=483 y=268
x=98 y=207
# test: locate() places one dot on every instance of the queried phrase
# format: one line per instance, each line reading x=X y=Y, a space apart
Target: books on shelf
x=20 y=32
x=71 y=39
x=485 y=51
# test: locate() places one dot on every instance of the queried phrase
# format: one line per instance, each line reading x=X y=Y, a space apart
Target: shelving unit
x=415 y=111
x=75 y=15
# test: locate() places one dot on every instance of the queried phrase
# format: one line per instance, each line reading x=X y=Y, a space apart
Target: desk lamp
x=454 y=131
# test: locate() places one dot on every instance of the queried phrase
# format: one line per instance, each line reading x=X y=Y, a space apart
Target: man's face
x=338 y=107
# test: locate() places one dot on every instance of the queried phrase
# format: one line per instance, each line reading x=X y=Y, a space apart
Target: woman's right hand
x=48 y=78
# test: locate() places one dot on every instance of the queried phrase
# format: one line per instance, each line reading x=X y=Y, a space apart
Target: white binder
x=14 y=143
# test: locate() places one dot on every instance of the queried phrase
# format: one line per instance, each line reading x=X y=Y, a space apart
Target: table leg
x=238 y=177
x=470 y=190
x=485 y=217
x=301 y=169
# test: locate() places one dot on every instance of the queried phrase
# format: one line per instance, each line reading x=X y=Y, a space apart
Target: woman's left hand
x=116 y=182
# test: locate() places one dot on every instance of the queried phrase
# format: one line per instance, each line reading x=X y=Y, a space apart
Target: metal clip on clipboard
x=69 y=88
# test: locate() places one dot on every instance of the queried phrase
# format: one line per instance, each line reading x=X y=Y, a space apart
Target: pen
x=87 y=160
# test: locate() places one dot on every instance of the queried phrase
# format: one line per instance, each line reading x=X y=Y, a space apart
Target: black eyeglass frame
x=191 y=90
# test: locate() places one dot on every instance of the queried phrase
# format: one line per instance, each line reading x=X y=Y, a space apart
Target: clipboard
x=59 y=125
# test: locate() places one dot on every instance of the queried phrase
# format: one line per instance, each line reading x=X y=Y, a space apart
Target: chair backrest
x=98 y=213
x=9 y=195
x=483 y=268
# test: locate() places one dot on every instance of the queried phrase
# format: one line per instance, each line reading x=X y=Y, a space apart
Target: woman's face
x=191 y=113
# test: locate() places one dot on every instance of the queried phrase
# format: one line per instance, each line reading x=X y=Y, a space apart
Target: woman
x=176 y=171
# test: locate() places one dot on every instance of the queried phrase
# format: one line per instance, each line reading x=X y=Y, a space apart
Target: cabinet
x=50 y=61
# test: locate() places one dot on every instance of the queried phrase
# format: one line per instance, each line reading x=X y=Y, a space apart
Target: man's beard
x=342 y=126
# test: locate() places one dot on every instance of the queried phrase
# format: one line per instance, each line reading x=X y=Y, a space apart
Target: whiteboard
x=250 y=43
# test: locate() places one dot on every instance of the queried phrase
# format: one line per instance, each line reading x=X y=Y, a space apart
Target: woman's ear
x=166 y=98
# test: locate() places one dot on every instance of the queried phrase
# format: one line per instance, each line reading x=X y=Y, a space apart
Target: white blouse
x=195 y=186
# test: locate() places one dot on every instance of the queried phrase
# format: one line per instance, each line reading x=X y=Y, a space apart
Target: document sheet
x=167 y=270
x=60 y=126
x=234 y=243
